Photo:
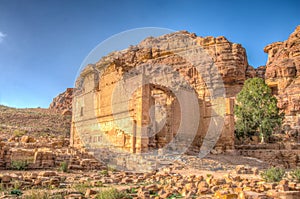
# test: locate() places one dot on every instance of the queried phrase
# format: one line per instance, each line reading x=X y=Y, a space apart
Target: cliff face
x=260 y=72
x=283 y=75
x=63 y=102
x=230 y=58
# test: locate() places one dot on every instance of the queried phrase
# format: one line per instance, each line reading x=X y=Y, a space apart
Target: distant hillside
x=32 y=121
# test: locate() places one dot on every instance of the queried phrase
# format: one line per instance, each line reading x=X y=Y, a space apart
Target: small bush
x=273 y=174
x=173 y=196
x=111 y=168
x=19 y=133
x=81 y=187
x=111 y=194
x=296 y=174
x=98 y=184
x=104 y=172
x=17 y=184
x=64 y=167
x=19 y=165
x=16 y=192
x=134 y=190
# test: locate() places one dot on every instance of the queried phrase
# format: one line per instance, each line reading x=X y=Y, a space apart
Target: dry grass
x=32 y=121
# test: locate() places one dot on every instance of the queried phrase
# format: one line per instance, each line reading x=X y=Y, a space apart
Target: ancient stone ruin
x=99 y=84
x=153 y=98
x=100 y=114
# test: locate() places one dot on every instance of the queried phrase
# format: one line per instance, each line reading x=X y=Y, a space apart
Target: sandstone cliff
x=63 y=102
x=283 y=75
x=260 y=71
x=231 y=61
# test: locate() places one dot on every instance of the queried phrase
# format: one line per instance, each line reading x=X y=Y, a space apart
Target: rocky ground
x=215 y=176
x=73 y=174
x=37 y=162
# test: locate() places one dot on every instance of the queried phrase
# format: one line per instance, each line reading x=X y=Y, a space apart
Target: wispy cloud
x=2 y=35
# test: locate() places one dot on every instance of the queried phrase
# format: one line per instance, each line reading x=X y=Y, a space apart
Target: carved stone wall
x=103 y=114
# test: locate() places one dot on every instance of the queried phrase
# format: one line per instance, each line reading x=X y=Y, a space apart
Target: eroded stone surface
x=97 y=82
x=283 y=75
x=63 y=102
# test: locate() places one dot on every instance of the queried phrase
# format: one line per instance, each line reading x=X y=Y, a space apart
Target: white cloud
x=2 y=35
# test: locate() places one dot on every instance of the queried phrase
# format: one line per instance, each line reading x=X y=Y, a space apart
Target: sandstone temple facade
x=102 y=114
x=98 y=91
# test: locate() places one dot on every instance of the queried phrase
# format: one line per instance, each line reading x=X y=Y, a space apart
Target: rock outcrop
x=260 y=72
x=230 y=59
x=63 y=102
x=283 y=76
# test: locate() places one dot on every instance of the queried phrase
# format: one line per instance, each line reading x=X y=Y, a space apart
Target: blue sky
x=43 y=43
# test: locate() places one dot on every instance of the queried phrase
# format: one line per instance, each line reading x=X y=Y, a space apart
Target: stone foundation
x=286 y=155
x=44 y=155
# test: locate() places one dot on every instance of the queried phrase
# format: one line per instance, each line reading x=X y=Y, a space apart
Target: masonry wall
x=167 y=59
x=95 y=121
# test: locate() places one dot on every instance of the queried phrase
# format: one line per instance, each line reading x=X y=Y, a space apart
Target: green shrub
x=16 y=192
x=256 y=110
x=64 y=167
x=111 y=168
x=296 y=174
x=134 y=190
x=17 y=184
x=98 y=184
x=173 y=196
x=273 y=174
x=104 y=172
x=111 y=193
x=81 y=187
x=19 y=133
x=19 y=165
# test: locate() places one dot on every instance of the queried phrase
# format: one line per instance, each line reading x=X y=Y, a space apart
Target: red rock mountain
x=283 y=75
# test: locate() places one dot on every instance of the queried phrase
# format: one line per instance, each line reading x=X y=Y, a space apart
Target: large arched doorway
x=164 y=110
